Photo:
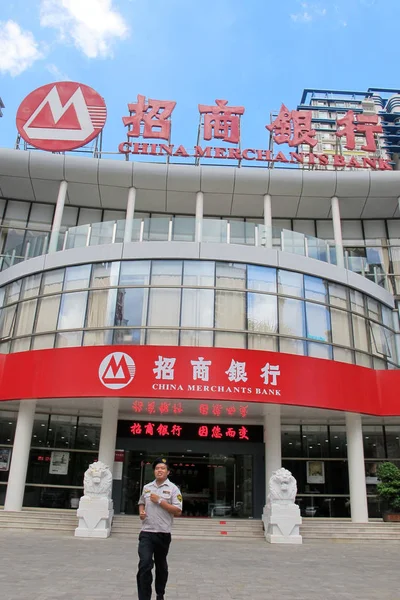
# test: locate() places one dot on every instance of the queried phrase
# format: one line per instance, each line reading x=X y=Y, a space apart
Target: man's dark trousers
x=157 y=545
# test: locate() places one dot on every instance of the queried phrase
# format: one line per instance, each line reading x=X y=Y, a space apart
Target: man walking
x=159 y=503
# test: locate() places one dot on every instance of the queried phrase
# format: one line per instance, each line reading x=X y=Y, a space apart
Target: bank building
x=234 y=313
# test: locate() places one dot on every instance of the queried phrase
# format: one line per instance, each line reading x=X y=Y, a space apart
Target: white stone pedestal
x=95 y=517
x=281 y=524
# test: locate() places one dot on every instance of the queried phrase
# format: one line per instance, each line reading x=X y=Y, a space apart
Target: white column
x=58 y=214
x=355 y=456
x=272 y=441
x=20 y=456
x=337 y=231
x=268 y=220
x=130 y=211
x=108 y=434
x=199 y=216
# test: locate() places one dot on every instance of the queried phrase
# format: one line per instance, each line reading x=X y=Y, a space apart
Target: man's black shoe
x=160 y=597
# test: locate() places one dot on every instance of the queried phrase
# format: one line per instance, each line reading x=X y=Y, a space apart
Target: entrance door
x=212 y=485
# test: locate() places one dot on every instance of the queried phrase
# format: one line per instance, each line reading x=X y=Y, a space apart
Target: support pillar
x=355 y=456
x=130 y=211
x=58 y=215
x=20 y=456
x=108 y=434
x=199 y=216
x=337 y=231
x=272 y=441
x=268 y=220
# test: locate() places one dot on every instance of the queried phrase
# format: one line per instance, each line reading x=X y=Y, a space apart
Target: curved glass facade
x=196 y=303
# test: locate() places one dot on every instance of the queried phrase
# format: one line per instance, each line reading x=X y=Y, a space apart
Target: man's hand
x=154 y=498
x=142 y=512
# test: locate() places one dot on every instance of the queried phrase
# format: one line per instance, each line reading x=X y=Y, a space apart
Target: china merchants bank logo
x=61 y=116
x=117 y=370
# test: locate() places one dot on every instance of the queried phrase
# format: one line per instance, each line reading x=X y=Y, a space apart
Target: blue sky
x=254 y=53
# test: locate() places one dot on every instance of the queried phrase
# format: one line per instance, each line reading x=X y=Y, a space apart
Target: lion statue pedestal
x=96 y=510
x=281 y=515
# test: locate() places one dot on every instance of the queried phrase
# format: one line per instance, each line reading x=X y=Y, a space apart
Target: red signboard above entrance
x=217 y=374
x=61 y=116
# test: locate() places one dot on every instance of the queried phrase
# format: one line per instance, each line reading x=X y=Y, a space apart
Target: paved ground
x=48 y=566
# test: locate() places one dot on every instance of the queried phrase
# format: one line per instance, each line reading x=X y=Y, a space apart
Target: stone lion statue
x=282 y=487
x=97 y=481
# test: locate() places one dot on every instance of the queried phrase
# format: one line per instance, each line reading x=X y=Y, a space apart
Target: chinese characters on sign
x=152 y=120
x=195 y=431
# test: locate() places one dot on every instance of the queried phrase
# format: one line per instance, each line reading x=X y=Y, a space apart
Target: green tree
x=389 y=485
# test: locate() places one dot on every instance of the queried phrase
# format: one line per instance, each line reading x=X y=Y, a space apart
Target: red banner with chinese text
x=198 y=373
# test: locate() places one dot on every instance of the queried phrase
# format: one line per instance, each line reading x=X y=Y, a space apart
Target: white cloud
x=57 y=73
x=309 y=13
x=92 y=24
x=18 y=48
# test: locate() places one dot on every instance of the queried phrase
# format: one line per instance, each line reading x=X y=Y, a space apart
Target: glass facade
x=196 y=303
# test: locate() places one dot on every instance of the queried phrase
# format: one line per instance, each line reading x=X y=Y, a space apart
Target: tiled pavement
x=50 y=566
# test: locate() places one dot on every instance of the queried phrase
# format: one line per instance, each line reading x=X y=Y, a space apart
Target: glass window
x=304 y=226
x=62 y=431
x=262 y=279
x=374 y=309
x=88 y=433
x=315 y=289
x=262 y=313
x=16 y=213
x=226 y=339
x=77 y=278
x=39 y=430
x=318 y=322
x=291 y=440
x=230 y=310
x=47 y=314
x=374 y=446
x=393 y=440
x=360 y=333
x=7 y=319
x=262 y=342
x=183 y=229
x=343 y=355
x=338 y=295
x=72 y=311
x=70 y=216
x=315 y=441
x=131 y=307
x=2 y=206
x=105 y=274
x=340 y=327
x=25 y=317
x=319 y=350
x=338 y=441
x=196 y=338
x=164 y=307
x=166 y=272
x=290 y=284
x=41 y=216
x=101 y=233
x=40 y=342
x=52 y=281
x=198 y=273
x=101 y=308
x=380 y=338
x=162 y=337
x=8 y=422
x=230 y=275
x=363 y=360
x=101 y=337
x=325 y=230
x=12 y=292
x=374 y=230
x=352 y=230
x=291 y=317
x=89 y=215
x=30 y=286
x=135 y=272
x=387 y=317
x=129 y=336
x=2 y=295
x=21 y=345
x=69 y=339
x=197 y=308
x=292 y=346
x=357 y=302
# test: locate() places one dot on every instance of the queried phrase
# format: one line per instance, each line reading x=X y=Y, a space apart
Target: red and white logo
x=61 y=116
x=117 y=370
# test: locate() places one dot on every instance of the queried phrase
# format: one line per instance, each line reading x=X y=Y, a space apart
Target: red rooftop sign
x=151 y=121
x=61 y=116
